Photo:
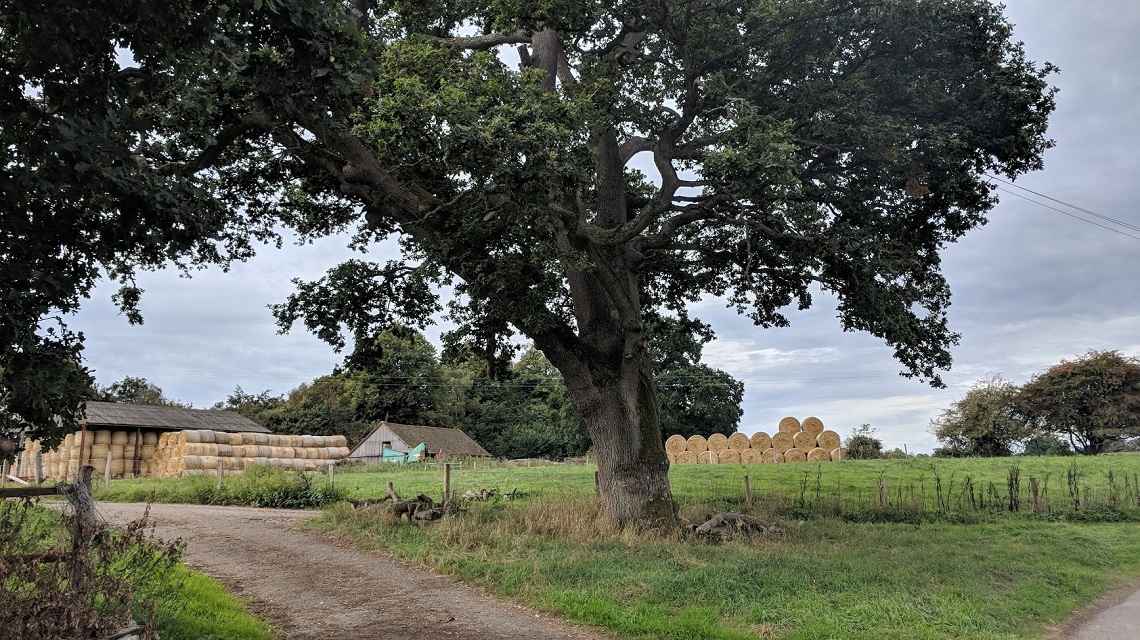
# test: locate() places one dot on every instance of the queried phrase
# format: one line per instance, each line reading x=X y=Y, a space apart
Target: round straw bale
x=260 y=438
x=200 y=449
x=233 y=439
x=804 y=440
x=150 y=437
x=782 y=441
x=675 y=443
x=264 y=451
x=232 y=464
x=288 y=452
x=789 y=425
x=707 y=457
x=99 y=451
x=718 y=442
x=118 y=467
x=795 y=455
x=771 y=455
x=729 y=456
x=248 y=438
x=68 y=440
x=819 y=454
x=308 y=441
x=118 y=437
x=761 y=441
x=323 y=453
x=838 y=453
x=132 y=437
x=239 y=451
x=99 y=437
x=738 y=442
x=336 y=441
x=319 y=441
x=697 y=444
x=686 y=457
x=147 y=451
x=828 y=440
x=296 y=441
x=751 y=456
x=193 y=462
x=119 y=451
x=812 y=425
x=336 y=453
x=672 y=457
x=193 y=436
x=225 y=450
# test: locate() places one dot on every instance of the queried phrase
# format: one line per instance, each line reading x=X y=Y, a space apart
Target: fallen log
x=482 y=495
x=728 y=524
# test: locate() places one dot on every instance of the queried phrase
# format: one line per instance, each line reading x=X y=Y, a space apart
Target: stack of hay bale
x=792 y=442
x=180 y=453
x=198 y=452
x=124 y=447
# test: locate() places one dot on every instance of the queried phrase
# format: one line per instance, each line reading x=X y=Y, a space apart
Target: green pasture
x=929 y=565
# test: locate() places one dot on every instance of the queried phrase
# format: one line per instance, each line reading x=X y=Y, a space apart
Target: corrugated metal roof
x=114 y=414
x=438 y=439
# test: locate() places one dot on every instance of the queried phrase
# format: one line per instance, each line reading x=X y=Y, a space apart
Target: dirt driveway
x=311 y=589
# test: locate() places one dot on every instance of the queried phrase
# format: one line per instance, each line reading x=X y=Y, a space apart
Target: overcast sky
x=1030 y=288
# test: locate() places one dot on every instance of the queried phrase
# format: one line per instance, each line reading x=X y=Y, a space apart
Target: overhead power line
x=1119 y=223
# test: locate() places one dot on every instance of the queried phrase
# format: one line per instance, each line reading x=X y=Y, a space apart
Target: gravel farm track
x=309 y=588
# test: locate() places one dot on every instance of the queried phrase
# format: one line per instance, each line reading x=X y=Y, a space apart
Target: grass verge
x=824 y=579
x=125 y=574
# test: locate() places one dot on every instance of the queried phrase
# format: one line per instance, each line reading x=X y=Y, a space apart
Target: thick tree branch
x=254 y=121
x=484 y=42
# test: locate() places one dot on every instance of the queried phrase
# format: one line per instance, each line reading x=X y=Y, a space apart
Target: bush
x=262 y=486
x=50 y=592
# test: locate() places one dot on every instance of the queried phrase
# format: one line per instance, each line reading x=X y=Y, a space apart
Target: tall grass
x=258 y=486
x=822 y=578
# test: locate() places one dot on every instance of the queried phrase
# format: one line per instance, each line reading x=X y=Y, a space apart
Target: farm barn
x=150 y=441
x=440 y=442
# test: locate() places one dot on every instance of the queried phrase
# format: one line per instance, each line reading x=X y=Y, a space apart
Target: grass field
x=994 y=574
x=933 y=564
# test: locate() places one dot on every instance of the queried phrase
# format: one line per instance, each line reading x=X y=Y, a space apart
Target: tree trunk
x=633 y=470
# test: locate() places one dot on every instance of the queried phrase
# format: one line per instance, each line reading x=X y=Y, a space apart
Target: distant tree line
x=508 y=398
x=1089 y=405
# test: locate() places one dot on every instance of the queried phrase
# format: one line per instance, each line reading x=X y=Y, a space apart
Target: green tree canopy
x=863 y=445
x=794 y=145
x=694 y=398
x=983 y=423
x=1093 y=400
x=132 y=390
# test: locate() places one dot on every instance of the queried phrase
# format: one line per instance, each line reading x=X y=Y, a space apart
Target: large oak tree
x=784 y=147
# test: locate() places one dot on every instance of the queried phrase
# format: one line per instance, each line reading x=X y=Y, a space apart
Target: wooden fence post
x=218 y=485
x=332 y=467
x=39 y=468
x=107 y=472
x=884 y=494
x=747 y=492
x=447 y=482
x=1037 y=506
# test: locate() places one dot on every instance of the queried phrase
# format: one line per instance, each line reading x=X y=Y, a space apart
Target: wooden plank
x=27 y=492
